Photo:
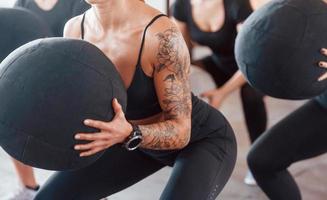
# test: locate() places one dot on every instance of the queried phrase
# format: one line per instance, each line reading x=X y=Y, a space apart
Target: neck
x=113 y=14
x=110 y=13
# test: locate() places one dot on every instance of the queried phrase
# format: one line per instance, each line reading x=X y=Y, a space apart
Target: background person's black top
x=221 y=42
x=58 y=15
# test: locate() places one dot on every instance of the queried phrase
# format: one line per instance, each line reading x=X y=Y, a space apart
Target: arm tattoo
x=173 y=64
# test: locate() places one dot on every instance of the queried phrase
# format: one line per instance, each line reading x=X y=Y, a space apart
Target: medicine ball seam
x=31 y=50
x=24 y=149
x=26 y=134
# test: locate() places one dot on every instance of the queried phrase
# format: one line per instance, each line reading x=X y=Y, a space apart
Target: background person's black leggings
x=252 y=100
x=200 y=171
x=299 y=136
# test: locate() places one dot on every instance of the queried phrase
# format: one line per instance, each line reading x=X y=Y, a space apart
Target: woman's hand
x=111 y=133
x=323 y=65
x=215 y=97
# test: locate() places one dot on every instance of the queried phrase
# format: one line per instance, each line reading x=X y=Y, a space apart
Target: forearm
x=166 y=135
x=234 y=83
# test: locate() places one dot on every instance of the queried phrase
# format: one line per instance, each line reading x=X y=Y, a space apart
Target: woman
x=55 y=12
x=177 y=128
x=215 y=24
x=299 y=136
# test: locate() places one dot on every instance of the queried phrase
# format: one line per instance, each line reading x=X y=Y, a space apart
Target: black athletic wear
x=200 y=170
x=141 y=103
x=57 y=17
x=252 y=100
x=222 y=64
x=222 y=41
x=301 y=135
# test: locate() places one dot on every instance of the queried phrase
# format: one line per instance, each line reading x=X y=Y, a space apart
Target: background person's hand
x=323 y=64
x=215 y=97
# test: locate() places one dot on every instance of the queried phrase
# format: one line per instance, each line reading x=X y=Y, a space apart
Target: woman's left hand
x=111 y=133
x=323 y=65
x=215 y=96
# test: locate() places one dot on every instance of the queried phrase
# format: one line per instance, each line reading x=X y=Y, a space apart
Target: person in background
x=214 y=24
x=55 y=13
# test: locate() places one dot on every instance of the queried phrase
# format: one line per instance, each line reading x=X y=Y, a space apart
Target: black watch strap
x=134 y=140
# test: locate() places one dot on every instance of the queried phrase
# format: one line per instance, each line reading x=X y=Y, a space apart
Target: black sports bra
x=142 y=99
x=222 y=41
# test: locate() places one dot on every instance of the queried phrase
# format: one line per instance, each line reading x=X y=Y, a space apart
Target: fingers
x=208 y=93
x=323 y=64
x=324 y=51
x=117 y=108
x=91 y=145
x=93 y=151
x=323 y=77
x=97 y=124
x=93 y=136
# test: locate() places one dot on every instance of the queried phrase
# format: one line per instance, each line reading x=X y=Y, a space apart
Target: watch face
x=134 y=143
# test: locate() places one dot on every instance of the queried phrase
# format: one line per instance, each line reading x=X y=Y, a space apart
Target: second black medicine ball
x=278 y=48
x=17 y=27
x=47 y=88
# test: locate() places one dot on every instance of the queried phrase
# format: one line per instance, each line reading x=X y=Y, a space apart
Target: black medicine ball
x=17 y=27
x=47 y=88
x=278 y=48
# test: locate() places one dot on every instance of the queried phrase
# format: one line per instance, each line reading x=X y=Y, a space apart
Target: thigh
x=301 y=135
x=116 y=170
x=202 y=169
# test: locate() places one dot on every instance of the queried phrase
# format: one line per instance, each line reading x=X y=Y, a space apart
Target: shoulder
x=164 y=28
x=164 y=39
x=73 y=27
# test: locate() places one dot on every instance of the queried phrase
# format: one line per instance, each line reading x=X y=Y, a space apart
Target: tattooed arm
x=168 y=59
x=171 y=77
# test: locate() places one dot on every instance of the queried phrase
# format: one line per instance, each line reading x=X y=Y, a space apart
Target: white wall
x=158 y=4
x=6 y=3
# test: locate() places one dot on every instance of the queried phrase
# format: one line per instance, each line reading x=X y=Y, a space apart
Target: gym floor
x=311 y=175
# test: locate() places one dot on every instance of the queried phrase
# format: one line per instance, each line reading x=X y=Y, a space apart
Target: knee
x=258 y=161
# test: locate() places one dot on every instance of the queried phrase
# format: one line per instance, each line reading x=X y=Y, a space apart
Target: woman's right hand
x=323 y=64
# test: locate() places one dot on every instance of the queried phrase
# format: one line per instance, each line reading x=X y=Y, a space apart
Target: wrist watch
x=134 y=140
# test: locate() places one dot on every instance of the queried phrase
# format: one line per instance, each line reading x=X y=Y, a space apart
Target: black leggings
x=299 y=136
x=200 y=171
x=252 y=100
